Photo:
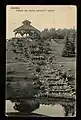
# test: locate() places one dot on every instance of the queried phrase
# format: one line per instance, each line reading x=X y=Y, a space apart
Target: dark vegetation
x=56 y=34
x=69 y=48
x=40 y=60
x=69 y=36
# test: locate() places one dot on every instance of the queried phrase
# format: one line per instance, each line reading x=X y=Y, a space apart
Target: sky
x=41 y=16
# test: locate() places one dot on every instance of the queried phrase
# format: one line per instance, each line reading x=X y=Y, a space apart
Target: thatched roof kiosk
x=27 y=29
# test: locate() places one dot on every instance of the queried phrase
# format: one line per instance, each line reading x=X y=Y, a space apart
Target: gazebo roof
x=26 y=22
x=26 y=26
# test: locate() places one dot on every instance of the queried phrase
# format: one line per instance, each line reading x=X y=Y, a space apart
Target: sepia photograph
x=41 y=52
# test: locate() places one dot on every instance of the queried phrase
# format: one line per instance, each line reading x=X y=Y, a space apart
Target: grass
x=60 y=41
x=68 y=62
x=21 y=67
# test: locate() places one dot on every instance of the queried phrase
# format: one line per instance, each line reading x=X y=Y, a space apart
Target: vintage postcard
x=41 y=56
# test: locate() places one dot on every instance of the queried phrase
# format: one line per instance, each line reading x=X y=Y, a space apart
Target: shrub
x=69 y=48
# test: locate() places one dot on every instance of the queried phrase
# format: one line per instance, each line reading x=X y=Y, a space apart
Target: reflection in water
x=50 y=110
x=9 y=106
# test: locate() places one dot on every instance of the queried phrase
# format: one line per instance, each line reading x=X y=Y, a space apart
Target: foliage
x=56 y=33
x=34 y=89
x=69 y=48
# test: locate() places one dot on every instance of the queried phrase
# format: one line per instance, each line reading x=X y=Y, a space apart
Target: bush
x=69 y=48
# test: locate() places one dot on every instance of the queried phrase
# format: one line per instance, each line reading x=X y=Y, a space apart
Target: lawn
x=56 y=47
x=68 y=62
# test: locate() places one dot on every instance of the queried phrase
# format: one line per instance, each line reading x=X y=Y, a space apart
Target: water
x=9 y=106
x=53 y=111
x=50 y=110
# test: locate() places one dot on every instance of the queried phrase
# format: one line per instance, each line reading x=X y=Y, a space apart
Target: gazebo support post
x=26 y=34
x=15 y=34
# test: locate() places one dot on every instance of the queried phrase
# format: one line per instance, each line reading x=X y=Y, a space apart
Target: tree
x=59 y=34
x=69 y=48
x=52 y=33
x=45 y=33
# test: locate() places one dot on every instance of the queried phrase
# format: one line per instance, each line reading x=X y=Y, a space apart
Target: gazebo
x=27 y=29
